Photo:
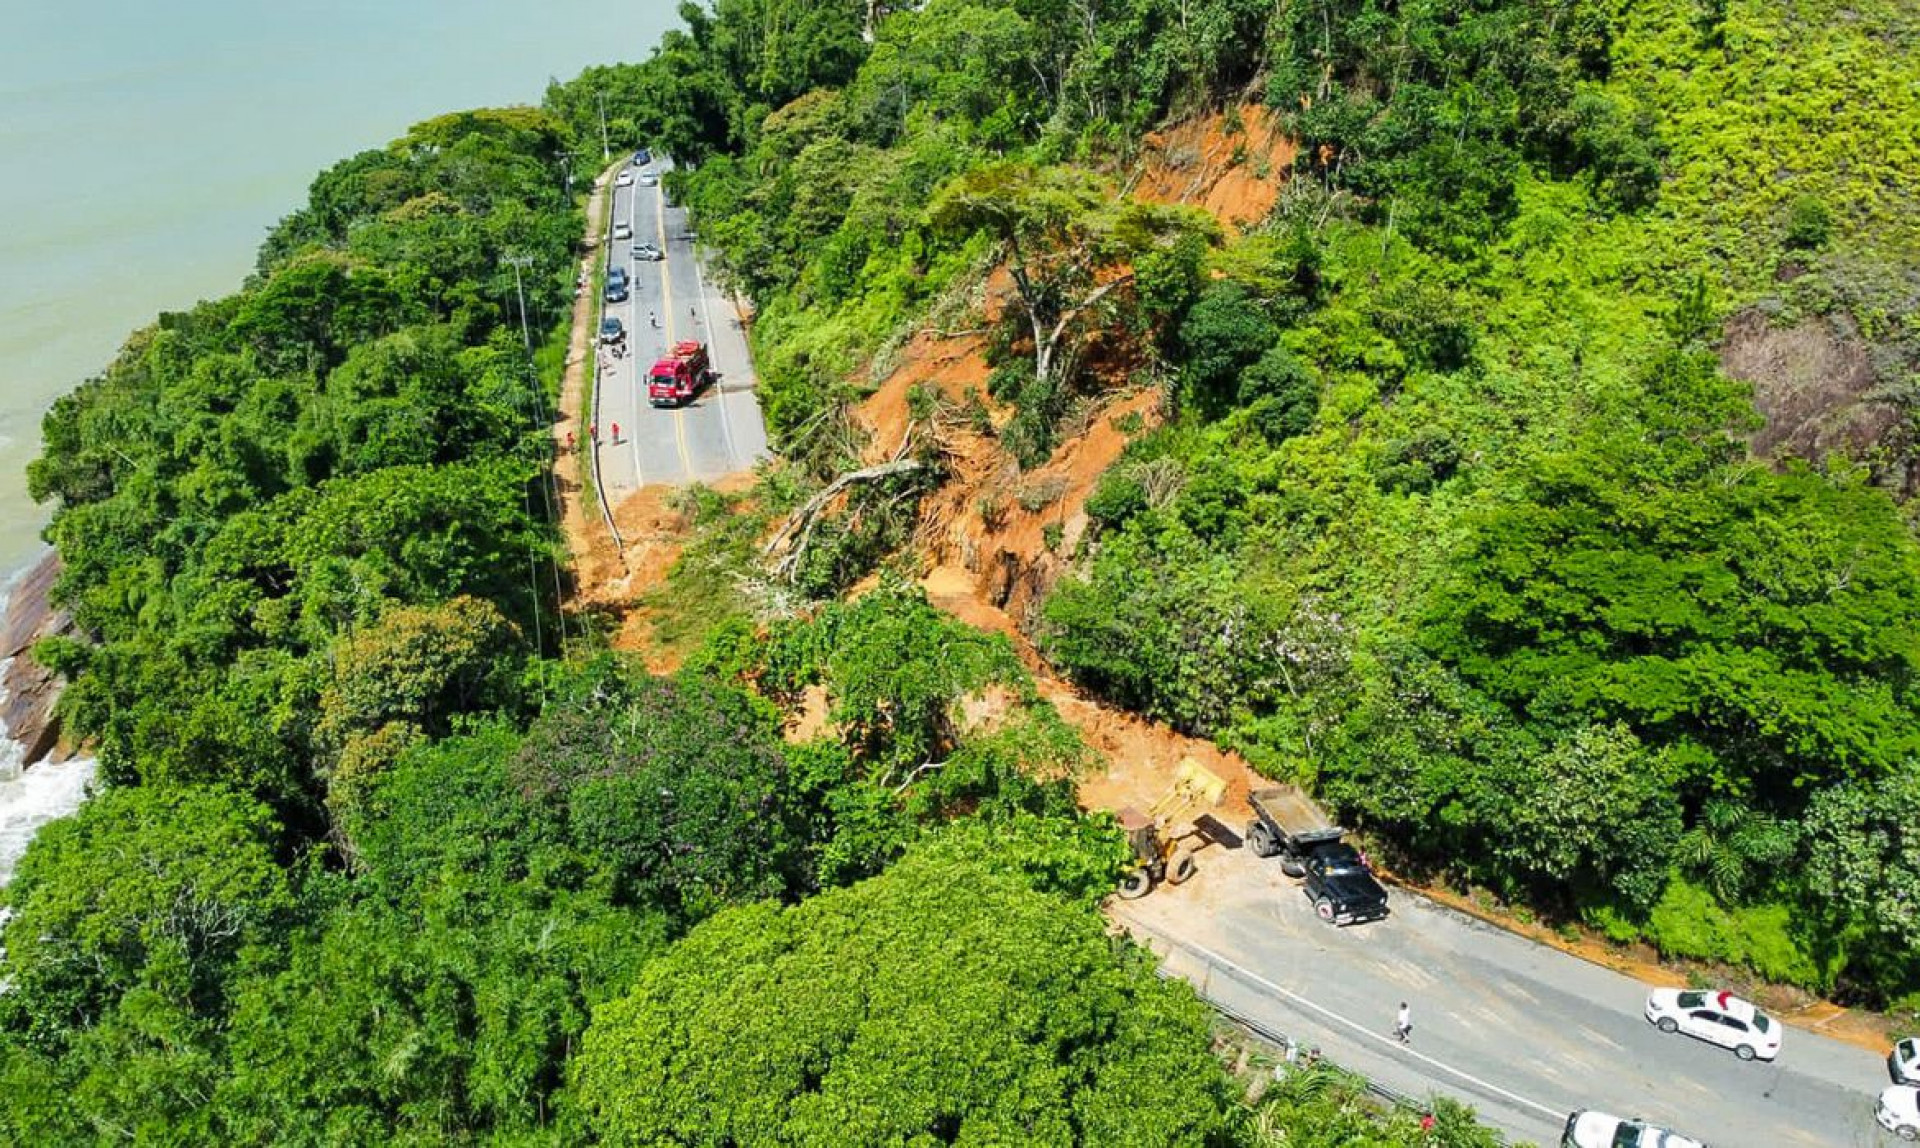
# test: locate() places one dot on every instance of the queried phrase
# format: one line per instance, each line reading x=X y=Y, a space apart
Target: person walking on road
x=616 y=434
x=1403 y=1024
x=653 y=320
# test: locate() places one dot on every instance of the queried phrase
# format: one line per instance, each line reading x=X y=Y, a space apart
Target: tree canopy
x=940 y=999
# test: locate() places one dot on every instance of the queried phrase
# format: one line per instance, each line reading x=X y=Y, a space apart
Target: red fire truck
x=675 y=379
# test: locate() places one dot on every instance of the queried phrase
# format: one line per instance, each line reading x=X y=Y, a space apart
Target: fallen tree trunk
x=793 y=534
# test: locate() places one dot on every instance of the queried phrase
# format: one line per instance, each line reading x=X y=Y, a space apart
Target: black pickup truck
x=1289 y=825
x=1343 y=890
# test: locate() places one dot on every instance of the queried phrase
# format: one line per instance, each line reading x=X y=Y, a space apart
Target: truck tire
x=1292 y=866
x=1181 y=868
x=1323 y=908
x=1261 y=840
x=1135 y=885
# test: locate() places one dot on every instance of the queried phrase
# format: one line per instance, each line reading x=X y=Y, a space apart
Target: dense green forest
x=1455 y=515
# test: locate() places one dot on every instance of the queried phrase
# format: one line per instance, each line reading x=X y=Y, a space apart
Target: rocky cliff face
x=30 y=689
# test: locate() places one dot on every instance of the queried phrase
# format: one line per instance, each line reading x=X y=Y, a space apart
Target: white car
x=1716 y=1016
x=623 y=230
x=648 y=253
x=624 y=179
x=648 y=178
x=1589 y=1129
x=1899 y=1111
x=1904 y=1061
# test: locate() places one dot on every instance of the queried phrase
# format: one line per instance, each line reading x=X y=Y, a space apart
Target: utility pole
x=606 y=151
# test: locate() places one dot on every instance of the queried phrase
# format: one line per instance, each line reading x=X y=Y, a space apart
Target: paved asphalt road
x=1522 y=1032
x=721 y=431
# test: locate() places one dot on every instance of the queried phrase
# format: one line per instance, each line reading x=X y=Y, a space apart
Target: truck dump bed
x=1294 y=814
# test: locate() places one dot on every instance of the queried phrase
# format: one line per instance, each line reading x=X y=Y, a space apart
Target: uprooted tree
x=1070 y=241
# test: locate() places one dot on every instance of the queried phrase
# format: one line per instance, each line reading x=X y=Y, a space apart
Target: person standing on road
x=616 y=434
x=653 y=320
x=1403 y=1025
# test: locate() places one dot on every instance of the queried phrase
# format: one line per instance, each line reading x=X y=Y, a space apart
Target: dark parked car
x=644 y=155
x=612 y=330
x=1343 y=890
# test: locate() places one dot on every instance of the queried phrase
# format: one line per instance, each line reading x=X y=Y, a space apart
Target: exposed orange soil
x=810 y=719
x=985 y=534
x=1235 y=175
x=655 y=530
x=955 y=364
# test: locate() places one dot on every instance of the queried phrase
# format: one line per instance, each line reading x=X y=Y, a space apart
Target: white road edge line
x=1363 y=1030
x=734 y=461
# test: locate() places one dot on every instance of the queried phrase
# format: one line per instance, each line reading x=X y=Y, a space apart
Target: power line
x=538 y=417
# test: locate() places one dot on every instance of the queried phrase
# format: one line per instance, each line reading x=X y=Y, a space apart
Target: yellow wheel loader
x=1160 y=837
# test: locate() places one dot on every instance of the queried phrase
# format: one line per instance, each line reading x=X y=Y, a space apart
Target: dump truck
x=678 y=376
x=1288 y=825
x=1160 y=835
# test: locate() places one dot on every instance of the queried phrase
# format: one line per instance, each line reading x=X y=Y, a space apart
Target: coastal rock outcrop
x=30 y=689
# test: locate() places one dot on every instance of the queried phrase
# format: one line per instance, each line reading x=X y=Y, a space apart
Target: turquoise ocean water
x=146 y=148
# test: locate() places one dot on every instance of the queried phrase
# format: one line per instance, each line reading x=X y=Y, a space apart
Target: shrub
x=1118 y=497
x=1809 y=223
x=1689 y=922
